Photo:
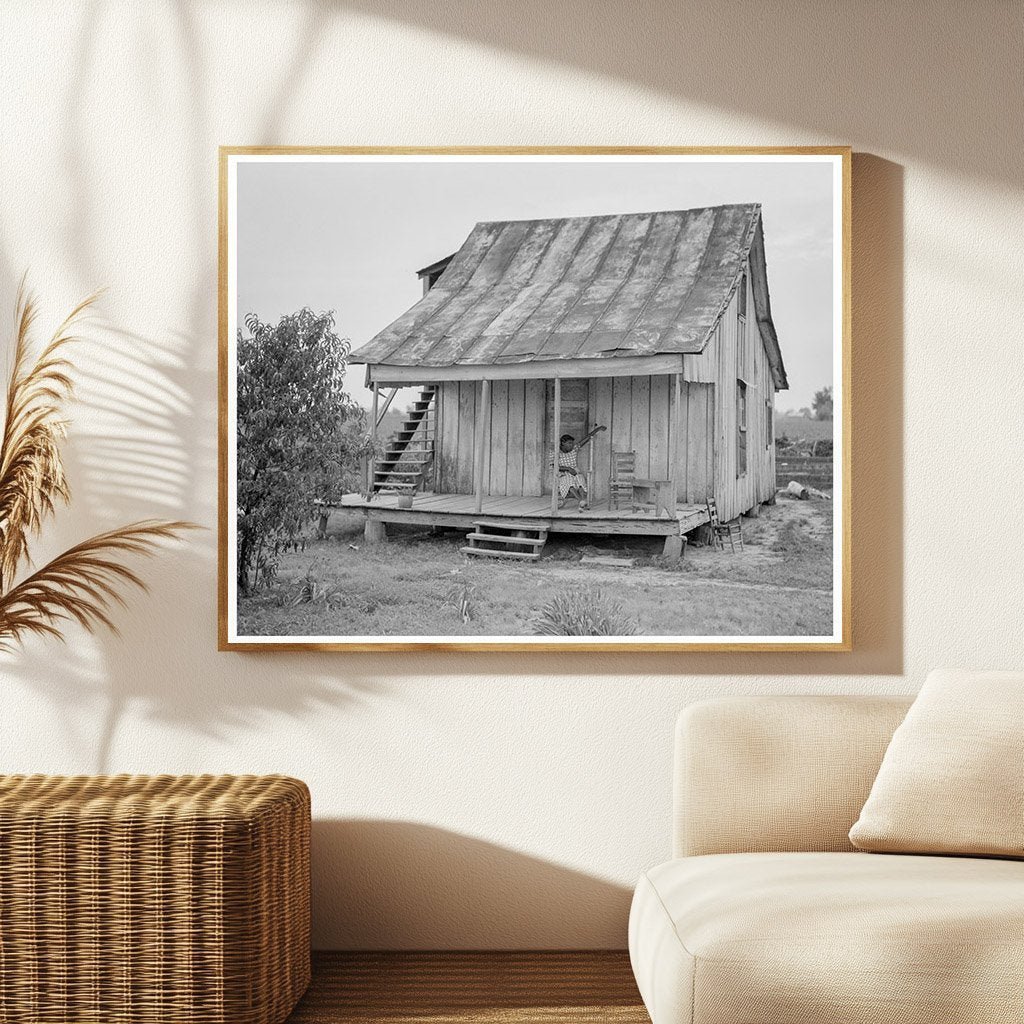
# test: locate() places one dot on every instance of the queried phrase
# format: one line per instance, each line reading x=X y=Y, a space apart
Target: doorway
x=574 y=419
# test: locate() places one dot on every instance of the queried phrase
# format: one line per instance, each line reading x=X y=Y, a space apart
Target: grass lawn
x=419 y=584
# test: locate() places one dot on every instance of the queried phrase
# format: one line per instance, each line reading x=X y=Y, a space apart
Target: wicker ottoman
x=137 y=900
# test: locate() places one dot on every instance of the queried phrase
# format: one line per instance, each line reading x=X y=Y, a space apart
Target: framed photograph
x=521 y=399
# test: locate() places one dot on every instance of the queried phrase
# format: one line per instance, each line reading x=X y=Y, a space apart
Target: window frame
x=742 y=439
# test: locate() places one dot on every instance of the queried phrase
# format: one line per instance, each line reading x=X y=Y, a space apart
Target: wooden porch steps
x=503 y=538
x=521 y=555
x=410 y=453
x=515 y=524
x=496 y=538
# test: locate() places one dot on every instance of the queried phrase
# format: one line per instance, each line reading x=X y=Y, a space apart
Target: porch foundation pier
x=375 y=532
x=673 y=548
x=557 y=433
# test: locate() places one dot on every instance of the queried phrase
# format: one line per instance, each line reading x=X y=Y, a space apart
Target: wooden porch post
x=676 y=404
x=479 y=438
x=674 y=542
x=374 y=532
x=556 y=435
x=372 y=463
x=590 y=472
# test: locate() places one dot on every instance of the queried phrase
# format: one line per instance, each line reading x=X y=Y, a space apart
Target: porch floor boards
x=460 y=509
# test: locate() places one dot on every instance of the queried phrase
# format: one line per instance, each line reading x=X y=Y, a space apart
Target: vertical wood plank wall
x=740 y=354
x=535 y=459
x=636 y=411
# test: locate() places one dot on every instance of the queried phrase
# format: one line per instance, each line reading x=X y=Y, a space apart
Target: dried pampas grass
x=81 y=584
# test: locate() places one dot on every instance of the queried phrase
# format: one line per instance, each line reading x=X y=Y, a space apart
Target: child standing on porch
x=572 y=483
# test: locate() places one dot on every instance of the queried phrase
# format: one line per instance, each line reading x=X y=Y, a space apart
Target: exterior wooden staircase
x=522 y=539
x=410 y=452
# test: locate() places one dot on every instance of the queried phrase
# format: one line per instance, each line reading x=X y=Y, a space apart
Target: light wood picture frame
x=653 y=305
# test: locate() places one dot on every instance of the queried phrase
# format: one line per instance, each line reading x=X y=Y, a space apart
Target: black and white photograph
x=534 y=398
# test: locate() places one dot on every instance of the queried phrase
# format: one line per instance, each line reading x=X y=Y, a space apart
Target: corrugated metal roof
x=577 y=288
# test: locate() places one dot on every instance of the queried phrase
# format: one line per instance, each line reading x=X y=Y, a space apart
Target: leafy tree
x=823 y=404
x=300 y=436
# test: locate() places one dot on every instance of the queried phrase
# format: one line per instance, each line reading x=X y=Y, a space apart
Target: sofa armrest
x=760 y=774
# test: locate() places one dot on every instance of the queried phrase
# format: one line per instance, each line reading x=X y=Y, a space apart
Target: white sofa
x=767 y=914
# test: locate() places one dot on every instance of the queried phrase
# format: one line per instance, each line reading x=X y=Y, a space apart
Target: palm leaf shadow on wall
x=83 y=583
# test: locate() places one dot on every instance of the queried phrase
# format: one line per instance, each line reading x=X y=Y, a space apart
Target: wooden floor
x=460 y=509
x=471 y=988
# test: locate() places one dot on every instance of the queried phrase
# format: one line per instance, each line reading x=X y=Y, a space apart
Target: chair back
x=713 y=512
x=623 y=473
x=623 y=465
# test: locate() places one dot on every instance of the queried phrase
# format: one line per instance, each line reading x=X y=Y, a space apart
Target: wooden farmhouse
x=656 y=326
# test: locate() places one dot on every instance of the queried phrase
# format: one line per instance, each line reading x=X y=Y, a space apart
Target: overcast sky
x=349 y=236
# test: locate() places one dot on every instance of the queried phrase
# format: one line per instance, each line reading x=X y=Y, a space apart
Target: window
x=769 y=424
x=741 y=327
x=741 y=428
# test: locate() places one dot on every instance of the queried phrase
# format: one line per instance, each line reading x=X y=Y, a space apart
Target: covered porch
x=496 y=438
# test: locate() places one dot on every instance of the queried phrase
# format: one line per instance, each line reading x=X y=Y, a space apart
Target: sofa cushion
x=830 y=938
x=950 y=780
x=775 y=774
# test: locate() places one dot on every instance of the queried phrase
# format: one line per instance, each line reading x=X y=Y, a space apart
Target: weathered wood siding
x=520 y=433
x=738 y=354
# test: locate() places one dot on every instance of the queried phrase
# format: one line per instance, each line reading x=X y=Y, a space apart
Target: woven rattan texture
x=145 y=899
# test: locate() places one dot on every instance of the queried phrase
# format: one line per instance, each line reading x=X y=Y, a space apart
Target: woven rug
x=471 y=988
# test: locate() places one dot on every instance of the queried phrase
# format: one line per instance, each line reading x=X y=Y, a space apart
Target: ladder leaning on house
x=410 y=452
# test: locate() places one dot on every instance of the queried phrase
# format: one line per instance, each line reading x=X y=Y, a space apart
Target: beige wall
x=484 y=800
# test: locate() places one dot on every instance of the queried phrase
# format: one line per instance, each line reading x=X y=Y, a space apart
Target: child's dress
x=568 y=477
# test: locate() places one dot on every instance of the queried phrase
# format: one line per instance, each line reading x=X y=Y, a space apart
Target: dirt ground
x=420 y=584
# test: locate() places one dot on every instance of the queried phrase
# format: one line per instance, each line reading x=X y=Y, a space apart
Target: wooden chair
x=623 y=473
x=720 y=530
